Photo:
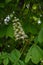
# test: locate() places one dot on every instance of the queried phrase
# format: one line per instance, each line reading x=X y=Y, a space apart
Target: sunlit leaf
x=6 y=61
x=14 y=56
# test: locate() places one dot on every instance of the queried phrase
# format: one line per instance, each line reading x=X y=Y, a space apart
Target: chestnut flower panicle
x=18 y=30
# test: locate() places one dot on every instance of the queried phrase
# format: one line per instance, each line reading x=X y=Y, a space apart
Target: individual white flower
x=19 y=24
x=13 y=12
x=16 y=39
x=8 y=17
x=25 y=36
x=20 y=32
x=16 y=26
x=8 y=45
x=17 y=30
x=11 y=15
x=23 y=33
x=17 y=36
x=42 y=61
x=14 y=17
x=22 y=37
x=40 y=15
x=5 y=21
x=39 y=21
x=19 y=27
x=14 y=23
x=27 y=6
x=17 y=19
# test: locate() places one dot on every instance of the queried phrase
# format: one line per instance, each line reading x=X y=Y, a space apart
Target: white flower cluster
x=8 y=18
x=18 y=30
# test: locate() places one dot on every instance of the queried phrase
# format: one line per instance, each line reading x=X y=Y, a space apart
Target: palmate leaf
x=14 y=56
x=20 y=62
x=29 y=28
x=4 y=55
x=27 y=58
x=35 y=54
x=6 y=31
x=4 y=58
x=6 y=61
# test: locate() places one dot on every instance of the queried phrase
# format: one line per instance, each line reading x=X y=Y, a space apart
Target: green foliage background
x=22 y=52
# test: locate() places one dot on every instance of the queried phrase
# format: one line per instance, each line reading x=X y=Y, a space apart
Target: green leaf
x=27 y=58
x=14 y=56
x=40 y=36
x=36 y=55
x=10 y=32
x=3 y=29
x=29 y=28
x=4 y=55
x=0 y=58
x=4 y=58
x=36 y=40
x=32 y=29
x=20 y=62
x=16 y=63
x=6 y=61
